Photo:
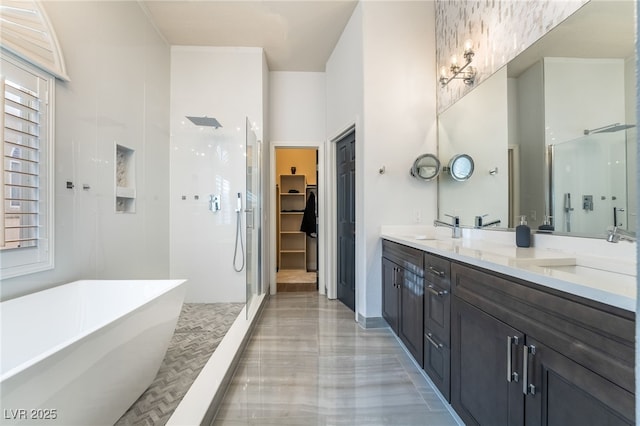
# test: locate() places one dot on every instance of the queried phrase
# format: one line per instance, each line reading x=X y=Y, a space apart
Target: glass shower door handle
x=249 y=218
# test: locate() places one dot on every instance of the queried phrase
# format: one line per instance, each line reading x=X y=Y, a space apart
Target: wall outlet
x=532 y=215
x=417 y=216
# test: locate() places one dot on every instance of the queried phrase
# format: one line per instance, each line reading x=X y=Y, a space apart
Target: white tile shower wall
x=499 y=29
x=225 y=83
x=118 y=93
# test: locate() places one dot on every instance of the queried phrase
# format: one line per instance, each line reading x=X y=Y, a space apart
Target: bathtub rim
x=172 y=285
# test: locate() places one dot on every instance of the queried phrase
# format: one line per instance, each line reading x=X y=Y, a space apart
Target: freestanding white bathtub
x=83 y=352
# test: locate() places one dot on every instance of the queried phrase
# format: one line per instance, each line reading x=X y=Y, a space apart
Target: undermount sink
x=580 y=266
x=420 y=237
x=547 y=262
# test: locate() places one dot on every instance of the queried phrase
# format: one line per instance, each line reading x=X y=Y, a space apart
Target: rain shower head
x=205 y=121
x=616 y=127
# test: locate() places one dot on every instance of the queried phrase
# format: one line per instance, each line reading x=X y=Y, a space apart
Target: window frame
x=20 y=261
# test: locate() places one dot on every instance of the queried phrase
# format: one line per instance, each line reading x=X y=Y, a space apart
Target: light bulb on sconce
x=468 y=46
x=454 y=64
x=444 y=72
x=458 y=72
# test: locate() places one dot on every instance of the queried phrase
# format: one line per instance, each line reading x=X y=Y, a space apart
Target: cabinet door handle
x=436 y=292
x=511 y=375
x=395 y=277
x=429 y=337
x=527 y=388
x=435 y=272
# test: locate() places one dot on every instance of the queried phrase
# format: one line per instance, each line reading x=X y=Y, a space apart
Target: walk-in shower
x=215 y=229
x=589 y=180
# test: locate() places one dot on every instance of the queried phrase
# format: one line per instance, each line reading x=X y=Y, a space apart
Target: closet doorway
x=296 y=211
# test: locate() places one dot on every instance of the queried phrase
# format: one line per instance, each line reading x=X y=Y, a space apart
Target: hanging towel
x=309 y=217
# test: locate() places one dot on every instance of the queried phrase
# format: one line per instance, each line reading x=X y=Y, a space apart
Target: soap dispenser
x=546 y=225
x=523 y=233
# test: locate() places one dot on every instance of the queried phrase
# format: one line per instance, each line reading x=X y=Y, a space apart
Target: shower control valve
x=214 y=202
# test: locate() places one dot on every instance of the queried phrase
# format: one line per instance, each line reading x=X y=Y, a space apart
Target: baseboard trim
x=372 y=322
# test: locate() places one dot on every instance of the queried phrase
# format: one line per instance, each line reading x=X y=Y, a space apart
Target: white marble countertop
x=610 y=280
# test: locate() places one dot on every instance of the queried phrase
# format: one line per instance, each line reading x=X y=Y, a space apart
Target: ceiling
x=599 y=29
x=296 y=35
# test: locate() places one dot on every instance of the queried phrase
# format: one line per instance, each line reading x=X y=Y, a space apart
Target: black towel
x=309 y=217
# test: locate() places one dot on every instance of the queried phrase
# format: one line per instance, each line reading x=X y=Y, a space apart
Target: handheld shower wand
x=238 y=235
x=567 y=211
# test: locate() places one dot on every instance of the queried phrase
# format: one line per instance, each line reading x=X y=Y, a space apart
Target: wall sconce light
x=466 y=72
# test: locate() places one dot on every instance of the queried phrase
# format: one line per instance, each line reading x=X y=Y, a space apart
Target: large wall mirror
x=552 y=134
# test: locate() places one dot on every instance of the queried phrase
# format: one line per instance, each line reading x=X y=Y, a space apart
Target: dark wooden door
x=346 y=215
x=390 y=293
x=562 y=392
x=480 y=391
x=411 y=314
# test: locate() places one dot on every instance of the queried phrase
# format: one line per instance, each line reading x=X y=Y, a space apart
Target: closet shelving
x=292 y=242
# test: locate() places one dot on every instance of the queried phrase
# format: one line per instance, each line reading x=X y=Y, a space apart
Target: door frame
x=331 y=228
x=322 y=209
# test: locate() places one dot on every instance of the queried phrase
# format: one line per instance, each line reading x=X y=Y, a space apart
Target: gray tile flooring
x=200 y=328
x=309 y=363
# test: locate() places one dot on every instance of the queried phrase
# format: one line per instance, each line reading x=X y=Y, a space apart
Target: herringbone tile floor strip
x=200 y=328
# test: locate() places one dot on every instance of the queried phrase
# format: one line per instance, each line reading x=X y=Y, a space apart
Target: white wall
x=477 y=125
x=297 y=106
x=225 y=83
x=533 y=179
x=118 y=93
x=392 y=103
x=344 y=85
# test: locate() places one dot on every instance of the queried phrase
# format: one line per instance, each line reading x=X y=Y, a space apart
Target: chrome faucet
x=479 y=224
x=456 y=232
x=616 y=234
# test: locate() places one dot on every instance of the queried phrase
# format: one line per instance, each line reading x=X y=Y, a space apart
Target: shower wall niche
x=125 y=164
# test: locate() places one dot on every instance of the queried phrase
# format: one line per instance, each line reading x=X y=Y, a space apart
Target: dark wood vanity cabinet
x=523 y=354
x=509 y=352
x=437 y=321
x=403 y=294
x=390 y=293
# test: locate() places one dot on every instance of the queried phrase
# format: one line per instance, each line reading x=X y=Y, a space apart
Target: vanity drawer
x=437 y=312
x=406 y=257
x=437 y=271
x=437 y=297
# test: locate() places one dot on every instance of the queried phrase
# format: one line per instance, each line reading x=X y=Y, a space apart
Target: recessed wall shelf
x=125 y=175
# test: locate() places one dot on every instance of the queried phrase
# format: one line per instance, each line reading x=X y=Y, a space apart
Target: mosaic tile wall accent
x=499 y=29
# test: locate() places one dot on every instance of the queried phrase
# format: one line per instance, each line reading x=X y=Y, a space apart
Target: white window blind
x=21 y=165
x=26 y=179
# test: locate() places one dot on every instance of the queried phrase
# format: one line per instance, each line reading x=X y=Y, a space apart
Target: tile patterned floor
x=200 y=328
x=309 y=363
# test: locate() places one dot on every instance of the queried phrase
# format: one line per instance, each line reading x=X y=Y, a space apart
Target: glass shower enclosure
x=589 y=183
x=253 y=197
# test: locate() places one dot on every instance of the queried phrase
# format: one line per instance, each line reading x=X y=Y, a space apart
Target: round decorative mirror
x=461 y=167
x=426 y=167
